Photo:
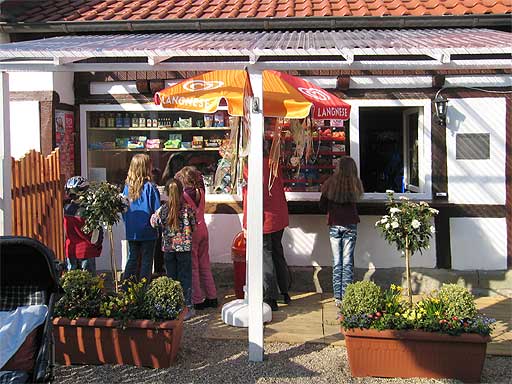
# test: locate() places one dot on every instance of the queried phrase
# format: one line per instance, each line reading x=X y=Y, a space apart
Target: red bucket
x=238 y=256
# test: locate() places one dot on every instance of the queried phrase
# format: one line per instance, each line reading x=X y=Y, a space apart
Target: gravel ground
x=202 y=360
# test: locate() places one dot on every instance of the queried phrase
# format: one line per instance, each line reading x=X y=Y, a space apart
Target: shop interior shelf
x=154 y=149
x=310 y=167
x=322 y=138
x=163 y=129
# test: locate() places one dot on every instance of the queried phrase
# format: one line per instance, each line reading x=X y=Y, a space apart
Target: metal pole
x=255 y=220
x=5 y=159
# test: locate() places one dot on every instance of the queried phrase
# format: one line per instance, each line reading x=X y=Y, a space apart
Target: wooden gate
x=37 y=200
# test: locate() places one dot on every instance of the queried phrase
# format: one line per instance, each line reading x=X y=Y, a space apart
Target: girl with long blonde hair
x=144 y=201
x=177 y=220
x=339 y=196
x=204 y=292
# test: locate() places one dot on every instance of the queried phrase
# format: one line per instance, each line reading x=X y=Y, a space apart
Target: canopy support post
x=255 y=221
x=5 y=158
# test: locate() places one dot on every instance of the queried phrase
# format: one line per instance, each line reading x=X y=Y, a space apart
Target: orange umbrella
x=283 y=95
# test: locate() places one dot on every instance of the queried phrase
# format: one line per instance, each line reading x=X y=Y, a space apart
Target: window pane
x=413 y=176
x=381 y=149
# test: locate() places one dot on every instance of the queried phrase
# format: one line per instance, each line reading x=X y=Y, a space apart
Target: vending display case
x=310 y=152
x=113 y=137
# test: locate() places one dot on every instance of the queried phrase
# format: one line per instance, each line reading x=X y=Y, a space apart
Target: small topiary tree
x=408 y=226
x=102 y=204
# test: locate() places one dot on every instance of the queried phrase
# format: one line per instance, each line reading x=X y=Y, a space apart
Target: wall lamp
x=441 y=105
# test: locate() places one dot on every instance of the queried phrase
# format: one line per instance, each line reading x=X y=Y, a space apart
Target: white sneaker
x=190 y=314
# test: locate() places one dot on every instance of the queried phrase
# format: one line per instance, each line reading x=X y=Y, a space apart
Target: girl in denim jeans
x=177 y=220
x=144 y=201
x=339 y=196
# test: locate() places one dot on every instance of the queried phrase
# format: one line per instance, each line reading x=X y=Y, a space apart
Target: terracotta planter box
x=99 y=341
x=415 y=354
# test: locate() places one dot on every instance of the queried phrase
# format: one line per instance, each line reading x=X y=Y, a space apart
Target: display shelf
x=154 y=149
x=163 y=129
x=309 y=167
x=329 y=153
x=323 y=138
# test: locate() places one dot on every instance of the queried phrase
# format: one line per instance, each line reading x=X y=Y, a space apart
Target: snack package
x=153 y=143
x=219 y=119
x=208 y=121
x=197 y=141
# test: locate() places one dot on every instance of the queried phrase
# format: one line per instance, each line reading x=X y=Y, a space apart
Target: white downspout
x=5 y=158
x=255 y=220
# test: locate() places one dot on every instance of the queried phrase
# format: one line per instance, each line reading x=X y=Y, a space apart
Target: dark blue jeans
x=85 y=264
x=343 y=244
x=179 y=267
x=145 y=249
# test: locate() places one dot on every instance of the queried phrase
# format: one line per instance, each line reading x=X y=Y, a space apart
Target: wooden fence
x=37 y=200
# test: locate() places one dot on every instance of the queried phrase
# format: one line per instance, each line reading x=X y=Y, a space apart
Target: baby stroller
x=28 y=283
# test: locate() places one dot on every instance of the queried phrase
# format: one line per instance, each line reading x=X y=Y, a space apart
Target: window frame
x=424 y=142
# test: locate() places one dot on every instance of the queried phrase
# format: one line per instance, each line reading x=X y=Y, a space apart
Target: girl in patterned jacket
x=177 y=221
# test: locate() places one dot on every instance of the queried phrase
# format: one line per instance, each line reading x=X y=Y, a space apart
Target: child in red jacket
x=81 y=248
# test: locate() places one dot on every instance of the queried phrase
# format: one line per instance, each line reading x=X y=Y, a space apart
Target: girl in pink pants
x=204 y=293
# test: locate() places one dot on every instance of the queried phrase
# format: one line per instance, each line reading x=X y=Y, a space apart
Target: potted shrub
x=442 y=335
x=140 y=325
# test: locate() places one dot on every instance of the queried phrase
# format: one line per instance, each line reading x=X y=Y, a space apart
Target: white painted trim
x=389 y=82
x=5 y=158
x=254 y=216
x=491 y=80
x=47 y=66
x=424 y=126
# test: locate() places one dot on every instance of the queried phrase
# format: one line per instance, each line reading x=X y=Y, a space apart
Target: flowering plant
x=407 y=225
x=85 y=296
x=452 y=310
x=102 y=205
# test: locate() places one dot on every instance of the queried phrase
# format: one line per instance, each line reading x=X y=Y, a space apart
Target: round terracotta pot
x=99 y=341
x=412 y=353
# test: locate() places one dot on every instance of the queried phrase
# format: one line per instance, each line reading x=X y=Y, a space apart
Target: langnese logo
x=202 y=85
x=315 y=93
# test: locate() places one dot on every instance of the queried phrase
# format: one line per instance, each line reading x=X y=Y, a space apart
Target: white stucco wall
x=24 y=127
x=63 y=85
x=30 y=81
x=478 y=243
x=306 y=243
x=477 y=181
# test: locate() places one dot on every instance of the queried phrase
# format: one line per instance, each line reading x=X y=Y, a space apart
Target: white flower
x=434 y=211
x=384 y=220
x=403 y=198
x=394 y=210
x=377 y=223
x=415 y=224
x=395 y=224
x=387 y=226
x=432 y=229
x=388 y=191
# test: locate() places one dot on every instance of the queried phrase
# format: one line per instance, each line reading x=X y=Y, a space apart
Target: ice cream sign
x=321 y=108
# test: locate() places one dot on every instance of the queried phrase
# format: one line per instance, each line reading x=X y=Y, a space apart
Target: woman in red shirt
x=275 y=220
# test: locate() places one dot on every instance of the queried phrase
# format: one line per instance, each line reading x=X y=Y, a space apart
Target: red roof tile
x=97 y=10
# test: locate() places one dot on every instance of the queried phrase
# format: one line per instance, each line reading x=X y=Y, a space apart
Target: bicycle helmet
x=76 y=184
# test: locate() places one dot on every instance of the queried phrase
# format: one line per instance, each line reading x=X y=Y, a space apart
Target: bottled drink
x=135 y=121
x=126 y=121
x=111 y=120
x=119 y=120
x=142 y=121
x=102 y=122
x=149 y=122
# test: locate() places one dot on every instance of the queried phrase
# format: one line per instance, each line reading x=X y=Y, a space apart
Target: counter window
x=389 y=148
x=189 y=138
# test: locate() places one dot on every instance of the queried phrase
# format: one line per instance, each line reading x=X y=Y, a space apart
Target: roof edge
x=503 y=21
